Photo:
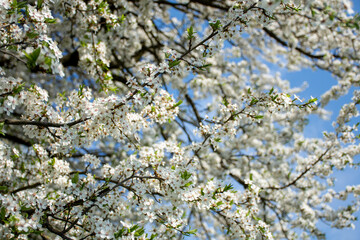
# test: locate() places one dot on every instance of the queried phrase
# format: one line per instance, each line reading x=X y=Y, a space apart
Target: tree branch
x=282 y=42
x=41 y=124
x=302 y=174
x=25 y=188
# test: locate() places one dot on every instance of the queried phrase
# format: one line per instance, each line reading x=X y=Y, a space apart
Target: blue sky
x=319 y=82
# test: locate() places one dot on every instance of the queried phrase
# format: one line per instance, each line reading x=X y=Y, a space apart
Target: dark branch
x=26 y=188
x=285 y=44
x=41 y=124
x=302 y=174
x=15 y=139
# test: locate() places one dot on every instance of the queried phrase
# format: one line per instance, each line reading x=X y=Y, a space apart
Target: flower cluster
x=120 y=120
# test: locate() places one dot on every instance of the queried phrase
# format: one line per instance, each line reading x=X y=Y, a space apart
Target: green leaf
x=225 y=102
x=228 y=231
x=139 y=232
x=185 y=175
x=253 y=101
x=1 y=128
x=50 y=20
x=35 y=54
x=275 y=97
x=75 y=178
x=4 y=189
x=122 y=18
x=177 y=104
x=19 y=5
x=153 y=236
x=216 y=25
x=262 y=229
x=258 y=117
x=18 y=88
x=312 y=100
x=133 y=228
x=119 y=233
x=205 y=53
x=190 y=32
x=32 y=58
x=228 y=187
x=313 y=12
x=204 y=67
x=52 y=162
x=13 y=218
x=22 y=167
x=48 y=61
x=81 y=87
x=82 y=186
x=188 y=184
x=271 y=90
x=174 y=63
x=39 y=4
x=2 y=213
x=32 y=35
x=24 y=208
x=193 y=231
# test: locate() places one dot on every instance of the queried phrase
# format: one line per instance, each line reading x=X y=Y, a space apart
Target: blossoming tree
x=138 y=119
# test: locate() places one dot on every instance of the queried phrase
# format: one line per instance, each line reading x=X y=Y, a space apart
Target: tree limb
x=41 y=124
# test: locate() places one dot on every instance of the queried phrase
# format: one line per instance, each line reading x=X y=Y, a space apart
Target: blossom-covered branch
x=167 y=119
